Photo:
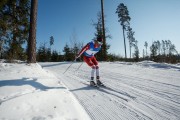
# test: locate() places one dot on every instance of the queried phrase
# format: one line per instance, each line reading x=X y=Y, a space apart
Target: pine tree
x=124 y=18
x=130 y=36
x=68 y=55
x=102 y=54
x=153 y=50
x=136 y=53
x=146 y=45
x=103 y=33
x=51 y=41
x=14 y=25
x=41 y=53
x=54 y=56
x=32 y=33
x=163 y=47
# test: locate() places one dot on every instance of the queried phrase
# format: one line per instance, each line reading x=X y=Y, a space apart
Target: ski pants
x=93 y=63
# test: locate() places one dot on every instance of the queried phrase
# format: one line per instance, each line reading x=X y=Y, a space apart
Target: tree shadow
x=27 y=81
x=161 y=65
x=53 y=64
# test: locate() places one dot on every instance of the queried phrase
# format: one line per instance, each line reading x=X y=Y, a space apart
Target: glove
x=76 y=58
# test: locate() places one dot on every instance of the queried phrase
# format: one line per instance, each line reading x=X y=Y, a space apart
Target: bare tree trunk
x=103 y=27
x=130 y=51
x=32 y=33
x=124 y=42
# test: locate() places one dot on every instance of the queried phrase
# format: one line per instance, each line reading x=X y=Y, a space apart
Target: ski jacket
x=89 y=50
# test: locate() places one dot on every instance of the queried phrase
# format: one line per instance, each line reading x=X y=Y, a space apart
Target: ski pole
x=69 y=66
x=79 y=66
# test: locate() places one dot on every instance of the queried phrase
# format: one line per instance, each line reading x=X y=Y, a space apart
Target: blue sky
x=150 y=19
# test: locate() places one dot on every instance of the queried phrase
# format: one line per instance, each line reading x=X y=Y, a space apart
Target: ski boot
x=92 y=83
x=99 y=83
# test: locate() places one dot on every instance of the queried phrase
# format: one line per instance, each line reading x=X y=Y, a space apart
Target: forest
x=16 y=38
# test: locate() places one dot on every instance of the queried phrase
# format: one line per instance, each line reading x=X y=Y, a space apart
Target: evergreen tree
x=51 y=41
x=54 y=56
x=158 y=47
x=14 y=25
x=130 y=36
x=103 y=33
x=48 y=55
x=1 y=49
x=75 y=50
x=163 y=47
x=153 y=50
x=124 y=19
x=143 y=54
x=102 y=54
x=41 y=53
x=68 y=55
x=168 y=53
x=136 y=53
x=171 y=48
x=146 y=45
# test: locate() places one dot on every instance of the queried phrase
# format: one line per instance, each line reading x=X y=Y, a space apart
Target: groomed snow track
x=143 y=91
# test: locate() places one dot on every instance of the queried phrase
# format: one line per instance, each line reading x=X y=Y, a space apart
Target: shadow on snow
x=27 y=81
x=106 y=90
x=54 y=64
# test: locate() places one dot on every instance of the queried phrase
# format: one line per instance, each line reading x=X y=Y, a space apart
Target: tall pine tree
x=14 y=24
x=32 y=33
x=124 y=19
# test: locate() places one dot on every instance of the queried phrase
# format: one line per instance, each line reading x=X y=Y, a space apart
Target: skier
x=88 y=53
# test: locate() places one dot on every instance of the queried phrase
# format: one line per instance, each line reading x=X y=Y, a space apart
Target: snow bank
x=27 y=92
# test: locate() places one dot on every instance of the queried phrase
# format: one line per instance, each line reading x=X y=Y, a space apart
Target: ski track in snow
x=133 y=92
x=17 y=94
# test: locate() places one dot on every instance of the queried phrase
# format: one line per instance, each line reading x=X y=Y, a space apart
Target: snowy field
x=135 y=91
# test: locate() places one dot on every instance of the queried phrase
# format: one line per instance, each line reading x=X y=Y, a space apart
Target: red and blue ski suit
x=88 y=53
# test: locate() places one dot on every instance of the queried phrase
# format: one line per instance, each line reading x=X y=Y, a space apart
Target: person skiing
x=88 y=52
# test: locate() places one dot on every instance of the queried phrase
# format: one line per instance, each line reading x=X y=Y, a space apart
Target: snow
x=134 y=91
x=27 y=92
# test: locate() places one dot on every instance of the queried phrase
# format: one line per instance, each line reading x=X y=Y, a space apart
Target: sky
x=150 y=19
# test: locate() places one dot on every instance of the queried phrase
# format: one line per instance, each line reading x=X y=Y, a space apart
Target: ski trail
x=106 y=89
x=134 y=97
x=102 y=103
